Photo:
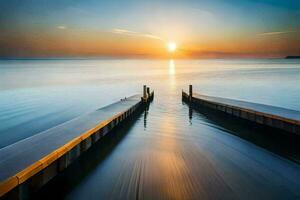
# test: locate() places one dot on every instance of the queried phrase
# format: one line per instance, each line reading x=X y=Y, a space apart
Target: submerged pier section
x=30 y=163
x=275 y=117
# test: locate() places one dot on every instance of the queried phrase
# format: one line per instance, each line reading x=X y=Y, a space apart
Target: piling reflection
x=145 y=116
x=190 y=115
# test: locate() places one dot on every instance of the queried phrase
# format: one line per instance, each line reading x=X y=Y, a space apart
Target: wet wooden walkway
x=39 y=158
x=272 y=116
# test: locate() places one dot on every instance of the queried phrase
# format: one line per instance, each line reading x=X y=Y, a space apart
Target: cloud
x=276 y=33
x=134 y=34
x=61 y=27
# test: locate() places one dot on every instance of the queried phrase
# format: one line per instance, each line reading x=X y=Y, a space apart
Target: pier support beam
x=148 y=91
x=145 y=93
x=190 y=92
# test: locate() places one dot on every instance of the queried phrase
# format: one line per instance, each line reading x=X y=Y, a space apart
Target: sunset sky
x=134 y=29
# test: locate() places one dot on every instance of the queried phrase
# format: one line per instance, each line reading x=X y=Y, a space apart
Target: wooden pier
x=275 y=117
x=29 y=164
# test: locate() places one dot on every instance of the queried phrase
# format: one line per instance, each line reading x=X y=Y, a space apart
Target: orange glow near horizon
x=145 y=29
x=131 y=44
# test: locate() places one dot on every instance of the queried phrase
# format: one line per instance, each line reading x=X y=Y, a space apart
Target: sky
x=142 y=29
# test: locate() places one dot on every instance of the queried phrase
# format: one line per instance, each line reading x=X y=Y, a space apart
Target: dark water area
x=277 y=141
x=172 y=151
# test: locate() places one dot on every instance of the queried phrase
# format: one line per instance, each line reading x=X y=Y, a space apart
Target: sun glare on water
x=171 y=46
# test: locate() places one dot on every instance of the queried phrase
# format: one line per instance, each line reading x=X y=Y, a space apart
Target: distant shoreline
x=292 y=57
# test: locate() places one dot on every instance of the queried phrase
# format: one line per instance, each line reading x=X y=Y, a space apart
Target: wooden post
x=190 y=92
x=148 y=91
x=145 y=93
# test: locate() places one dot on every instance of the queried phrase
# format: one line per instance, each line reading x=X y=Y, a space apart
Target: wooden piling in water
x=190 y=92
x=145 y=92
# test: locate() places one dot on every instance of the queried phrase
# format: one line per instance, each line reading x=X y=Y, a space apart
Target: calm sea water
x=171 y=151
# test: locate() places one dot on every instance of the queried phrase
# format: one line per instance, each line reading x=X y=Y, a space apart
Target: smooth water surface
x=36 y=95
x=171 y=152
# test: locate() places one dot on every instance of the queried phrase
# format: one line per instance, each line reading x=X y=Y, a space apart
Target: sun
x=171 y=46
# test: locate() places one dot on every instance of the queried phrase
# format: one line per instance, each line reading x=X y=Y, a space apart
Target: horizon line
x=74 y=57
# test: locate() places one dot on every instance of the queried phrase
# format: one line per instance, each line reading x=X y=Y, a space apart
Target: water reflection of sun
x=172 y=73
x=172 y=67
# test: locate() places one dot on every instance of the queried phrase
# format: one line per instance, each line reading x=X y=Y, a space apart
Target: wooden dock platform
x=275 y=117
x=29 y=164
